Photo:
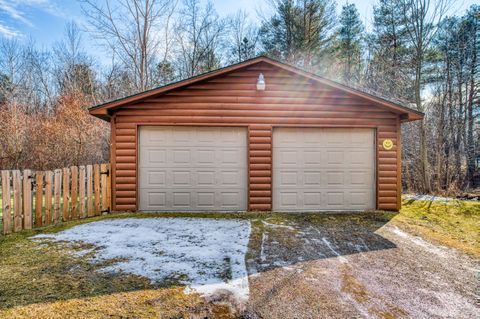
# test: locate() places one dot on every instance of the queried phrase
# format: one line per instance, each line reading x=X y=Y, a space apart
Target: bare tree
x=421 y=19
x=73 y=67
x=243 y=39
x=200 y=32
x=133 y=31
x=28 y=70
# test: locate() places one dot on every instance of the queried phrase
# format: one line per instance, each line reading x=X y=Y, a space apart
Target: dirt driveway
x=348 y=267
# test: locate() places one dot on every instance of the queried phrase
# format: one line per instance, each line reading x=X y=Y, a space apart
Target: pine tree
x=387 y=71
x=350 y=42
x=299 y=32
x=5 y=88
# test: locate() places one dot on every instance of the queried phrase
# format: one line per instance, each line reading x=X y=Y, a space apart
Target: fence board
x=48 y=197
x=6 y=203
x=38 y=198
x=104 y=189
x=27 y=199
x=17 y=201
x=74 y=206
x=81 y=193
x=66 y=194
x=96 y=187
x=109 y=187
x=89 y=191
x=57 y=189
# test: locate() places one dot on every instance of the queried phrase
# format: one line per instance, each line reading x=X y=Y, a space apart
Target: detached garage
x=258 y=135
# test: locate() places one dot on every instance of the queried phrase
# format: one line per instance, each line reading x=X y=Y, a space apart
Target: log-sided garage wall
x=231 y=99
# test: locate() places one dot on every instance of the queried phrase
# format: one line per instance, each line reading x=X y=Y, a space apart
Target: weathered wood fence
x=37 y=198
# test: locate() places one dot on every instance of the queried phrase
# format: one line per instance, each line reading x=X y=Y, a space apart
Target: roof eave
x=103 y=110
x=143 y=95
x=101 y=113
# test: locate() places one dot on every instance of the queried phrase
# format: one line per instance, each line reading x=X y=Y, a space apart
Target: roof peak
x=102 y=110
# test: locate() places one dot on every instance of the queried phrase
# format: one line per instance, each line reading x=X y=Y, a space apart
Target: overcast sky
x=44 y=20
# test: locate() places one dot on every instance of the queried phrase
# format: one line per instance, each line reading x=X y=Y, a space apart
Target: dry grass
x=148 y=303
x=40 y=279
x=454 y=223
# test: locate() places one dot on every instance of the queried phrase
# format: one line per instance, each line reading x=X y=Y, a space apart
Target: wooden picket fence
x=38 y=198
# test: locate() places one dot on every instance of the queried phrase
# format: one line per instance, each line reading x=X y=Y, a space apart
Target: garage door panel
x=192 y=168
x=312 y=178
x=181 y=178
x=323 y=179
x=335 y=157
x=288 y=199
x=205 y=156
x=157 y=178
x=286 y=178
x=336 y=179
x=311 y=157
x=312 y=199
x=156 y=198
x=230 y=178
x=326 y=157
x=323 y=169
x=206 y=178
x=307 y=200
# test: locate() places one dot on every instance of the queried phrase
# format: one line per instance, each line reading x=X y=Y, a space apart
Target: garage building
x=258 y=135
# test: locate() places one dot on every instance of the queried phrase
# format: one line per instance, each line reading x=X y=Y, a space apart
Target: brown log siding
x=232 y=100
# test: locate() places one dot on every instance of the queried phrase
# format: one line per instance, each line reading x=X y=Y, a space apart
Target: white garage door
x=192 y=168
x=323 y=169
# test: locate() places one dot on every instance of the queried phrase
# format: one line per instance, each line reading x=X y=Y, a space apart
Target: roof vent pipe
x=261 y=83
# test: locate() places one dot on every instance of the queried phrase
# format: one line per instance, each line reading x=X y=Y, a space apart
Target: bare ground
x=348 y=269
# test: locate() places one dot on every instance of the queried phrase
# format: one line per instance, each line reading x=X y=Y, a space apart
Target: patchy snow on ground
x=430 y=197
x=434 y=249
x=206 y=254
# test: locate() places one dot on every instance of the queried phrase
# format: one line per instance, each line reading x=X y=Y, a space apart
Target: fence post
x=48 y=197
x=17 y=201
x=89 y=191
x=81 y=199
x=109 y=188
x=74 y=208
x=96 y=188
x=27 y=199
x=104 y=191
x=6 y=203
x=66 y=194
x=38 y=198
x=57 y=186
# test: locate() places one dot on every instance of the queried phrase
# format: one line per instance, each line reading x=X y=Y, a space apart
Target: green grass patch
x=454 y=223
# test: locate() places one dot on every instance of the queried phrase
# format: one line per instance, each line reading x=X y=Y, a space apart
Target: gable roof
x=103 y=111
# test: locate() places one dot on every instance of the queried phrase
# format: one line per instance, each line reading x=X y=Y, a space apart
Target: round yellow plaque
x=387 y=144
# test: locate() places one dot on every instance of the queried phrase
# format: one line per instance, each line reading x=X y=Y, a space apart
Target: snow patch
x=336 y=253
x=437 y=250
x=433 y=198
x=277 y=225
x=208 y=255
x=263 y=257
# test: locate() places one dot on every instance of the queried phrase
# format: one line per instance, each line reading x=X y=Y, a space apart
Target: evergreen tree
x=242 y=43
x=5 y=88
x=299 y=32
x=165 y=73
x=387 y=70
x=349 y=46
